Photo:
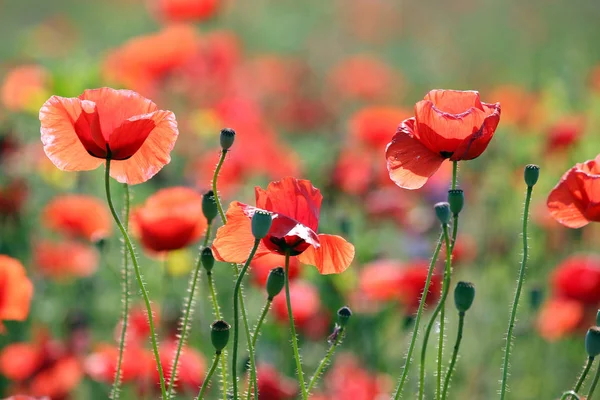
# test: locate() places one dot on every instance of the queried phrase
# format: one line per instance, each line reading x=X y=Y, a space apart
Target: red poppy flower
x=565 y=133
x=362 y=77
x=78 y=216
x=559 y=317
x=372 y=125
x=274 y=386
x=171 y=219
x=295 y=206
x=578 y=278
x=25 y=88
x=16 y=290
x=261 y=267
x=191 y=368
x=58 y=380
x=64 y=260
x=575 y=200
x=19 y=361
x=138 y=328
x=305 y=300
x=448 y=124
x=185 y=10
x=101 y=365
x=80 y=133
x=348 y=379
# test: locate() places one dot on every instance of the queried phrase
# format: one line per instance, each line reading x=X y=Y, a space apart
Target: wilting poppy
x=274 y=386
x=80 y=133
x=305 y=300
x=170 y=219
x=185 y=10
x=578 y=278
x=575 y=200
x=295 y=207
x=81 y=216
x=261 y=267
x=16 y=290
x=448 y=124
x=64 y=260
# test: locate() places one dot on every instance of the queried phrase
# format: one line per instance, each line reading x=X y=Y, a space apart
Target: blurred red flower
x=65 y=260
x=349 y=380
x=170 y=219
x=518 y=105
x=306 y=304
x=295 y=206
x=16 y=291
x=564 y=133
x=274 y=386
x=25 y=87
x=559 y=317
x=80 y=216
x=80 y=133
x=184 y=10
x=386 y=280
x=575 y=200
x=261 y=267
x=12 y=197
x=191 y=367
x=362 y=77
x=101 y=364
x=578 y=278
x=448 y=124
x=371 y=126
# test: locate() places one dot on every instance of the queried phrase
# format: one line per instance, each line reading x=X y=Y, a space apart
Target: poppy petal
x=565 y=201
x=454 y=101
x=61 y=142
x=152 y=155
x=333 y=256
x=409 y=162
x=127 y=139
x=234 y=240
x=294 y=198
x=17 y=290
x=475 y=144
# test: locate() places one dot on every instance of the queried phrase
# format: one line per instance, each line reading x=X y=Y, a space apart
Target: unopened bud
x=219 y=334
x=227 y=138
x=209 y=206
x=261 y=223
x=442 y=210
x=275 y=282
x=464 y=295
x=592 y=341
x=456 y=199
x=207 y=259
x=532 y=173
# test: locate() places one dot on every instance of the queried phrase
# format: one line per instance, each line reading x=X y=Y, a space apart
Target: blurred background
x=315 y=90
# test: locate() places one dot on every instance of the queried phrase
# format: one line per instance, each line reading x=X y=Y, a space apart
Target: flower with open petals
x=448 y=124
x=575 y=200
x=81 y=216
x=171 y=219
x=295 y=206
x=16 y=290
x=81 y=133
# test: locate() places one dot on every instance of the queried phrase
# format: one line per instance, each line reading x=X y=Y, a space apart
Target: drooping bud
x=532 y=173
x=209 y=206
x=456 y=199
x=464 y=295
x=344 y=315
x=207 y=259
x=442 y=210
x=275 y=282
x=592 y=341
x=227 y=138
x=261 y=223
x=219 y=334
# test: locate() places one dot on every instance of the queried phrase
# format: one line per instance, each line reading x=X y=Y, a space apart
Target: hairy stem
x=325 y=361
x=263 y=315
x=461 y=322
x=594 y=383
x=211 y=371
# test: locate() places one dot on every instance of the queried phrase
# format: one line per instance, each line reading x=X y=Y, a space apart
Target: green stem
x=570 y=393
x=263 y=315
x=461 y=322
x=138 y=276
x=293 y=327
x=513 y=313
x=116 y=389
x=439 y=307
x=211 y=371
x=214 y=186
x=454 y=174
x=415 y=332
x=325 y=361
x=236 y=297
x=213 y=295
x=586 y=369
x=187 y=316
x=594 y=383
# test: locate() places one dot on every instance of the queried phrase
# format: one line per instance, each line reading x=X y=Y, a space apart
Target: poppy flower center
x=446 y=154
x=293 y=244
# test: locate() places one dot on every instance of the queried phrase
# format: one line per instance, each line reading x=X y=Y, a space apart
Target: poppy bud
x=219 y=334
x=464 y=295
x=532 y=173
x=592 y=341
x=456 y=198
x=227 y=138
x=275 y=282
x=261 y=223
x=207 y=259
x=344 y=315
x=209 y=206
x=598 y=318
x=442 y=210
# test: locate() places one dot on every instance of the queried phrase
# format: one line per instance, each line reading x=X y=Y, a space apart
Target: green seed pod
x=592 y=341
x=227 y=138
x=464 y=295
x=275 y=282
x=532 y=173
x=219 y=334
x=261 y=223
x=209 y=206
x=344 y=315
x=456 y=198
x=442 y=210
x=207 y=259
